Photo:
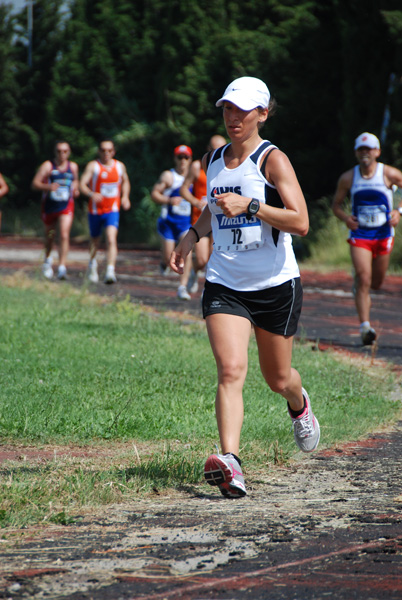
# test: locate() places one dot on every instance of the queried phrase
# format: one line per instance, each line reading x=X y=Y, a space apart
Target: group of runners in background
x=182 y=194
x=106 y=185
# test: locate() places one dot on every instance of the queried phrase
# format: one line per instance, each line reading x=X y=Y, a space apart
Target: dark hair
x=106 y=140
x=272 y=106
x=61 y=142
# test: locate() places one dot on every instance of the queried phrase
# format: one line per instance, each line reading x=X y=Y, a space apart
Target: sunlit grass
x=77 y=369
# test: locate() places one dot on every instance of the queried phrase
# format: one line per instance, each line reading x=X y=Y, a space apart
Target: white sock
x=364 y=325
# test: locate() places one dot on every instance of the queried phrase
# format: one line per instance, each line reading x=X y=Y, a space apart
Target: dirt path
x=330 y=526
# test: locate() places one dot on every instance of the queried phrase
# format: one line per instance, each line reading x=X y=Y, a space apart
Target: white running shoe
x=62 y=272
x=224 y=471
x=182 y=293
x=306 y=429
x=47 y=270
x=192 y=285
x=110 y=276
x=93 y=271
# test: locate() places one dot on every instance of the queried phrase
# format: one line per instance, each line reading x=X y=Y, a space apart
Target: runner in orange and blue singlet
x=106 y=183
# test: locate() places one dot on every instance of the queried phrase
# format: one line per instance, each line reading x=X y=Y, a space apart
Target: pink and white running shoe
x=306 y=429
x=225 y=472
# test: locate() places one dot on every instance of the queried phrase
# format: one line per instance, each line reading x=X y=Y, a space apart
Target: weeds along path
x=328 y=526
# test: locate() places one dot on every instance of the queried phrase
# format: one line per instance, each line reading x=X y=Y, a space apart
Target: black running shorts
x=275 y=309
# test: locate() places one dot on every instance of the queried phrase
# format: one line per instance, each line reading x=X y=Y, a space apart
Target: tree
x=148 y=73
x=10 y=123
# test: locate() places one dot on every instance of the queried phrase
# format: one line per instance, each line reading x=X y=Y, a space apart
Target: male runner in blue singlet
x=371 y=222
x=57 y=179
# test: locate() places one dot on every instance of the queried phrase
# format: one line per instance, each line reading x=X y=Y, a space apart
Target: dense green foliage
x=148 y=73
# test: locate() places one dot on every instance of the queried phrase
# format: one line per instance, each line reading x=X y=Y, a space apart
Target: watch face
x=253 y=207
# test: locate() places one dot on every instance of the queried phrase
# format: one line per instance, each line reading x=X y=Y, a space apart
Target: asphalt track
x=329 y=526
x=328 y=317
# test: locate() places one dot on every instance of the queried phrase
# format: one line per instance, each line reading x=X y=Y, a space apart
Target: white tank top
x=247 y=255
x=177 y=212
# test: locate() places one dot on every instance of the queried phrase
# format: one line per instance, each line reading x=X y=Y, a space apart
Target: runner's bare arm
x=393 y=177
x=342 y=191
x=75 y=184
x=86 y=180
x=3 y=186
x=165 y=181
x=125 y=190
x=39 y=182
x=192 y=176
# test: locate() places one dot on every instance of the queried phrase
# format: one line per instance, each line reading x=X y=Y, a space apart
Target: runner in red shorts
x=371 y=222
x=57 y=179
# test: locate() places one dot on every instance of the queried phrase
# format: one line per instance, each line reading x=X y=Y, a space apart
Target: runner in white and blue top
x=372 y=204
x=273 y=260
x=254 y=206
x=175 y=216
x=371 y=222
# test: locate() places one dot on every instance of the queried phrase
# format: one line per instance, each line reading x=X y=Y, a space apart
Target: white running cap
x=247 y=93
x=367 y=139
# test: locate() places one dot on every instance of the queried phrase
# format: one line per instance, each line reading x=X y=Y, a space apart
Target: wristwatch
x=399 y=209
x=253 y=208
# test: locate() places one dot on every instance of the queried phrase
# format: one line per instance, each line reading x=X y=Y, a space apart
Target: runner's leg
x=111 y=245
x=65 y=223
x=362 y=262
x=275 y=354
x=50 y=234
x=229 y=337
x=380 y=268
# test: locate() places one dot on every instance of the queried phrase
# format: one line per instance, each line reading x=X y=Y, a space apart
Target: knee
x=231 y=372
x=278 y=384
x=363 y=281
x=202 y=262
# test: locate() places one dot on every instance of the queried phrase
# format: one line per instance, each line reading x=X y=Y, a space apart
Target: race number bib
x=109 y=190
x=237 y=234
x=183 y=209
x=62 y=194
x=371 y=216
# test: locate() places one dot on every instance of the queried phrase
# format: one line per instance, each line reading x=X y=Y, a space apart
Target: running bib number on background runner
x=109 y=190
x=237 y=234
x=62 y=194
x=183 y=209
x=372 y=216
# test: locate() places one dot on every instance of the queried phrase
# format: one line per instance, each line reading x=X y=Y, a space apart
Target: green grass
x=77 y=369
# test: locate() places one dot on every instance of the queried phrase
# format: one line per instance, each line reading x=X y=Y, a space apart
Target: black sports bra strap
x=264 y=162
